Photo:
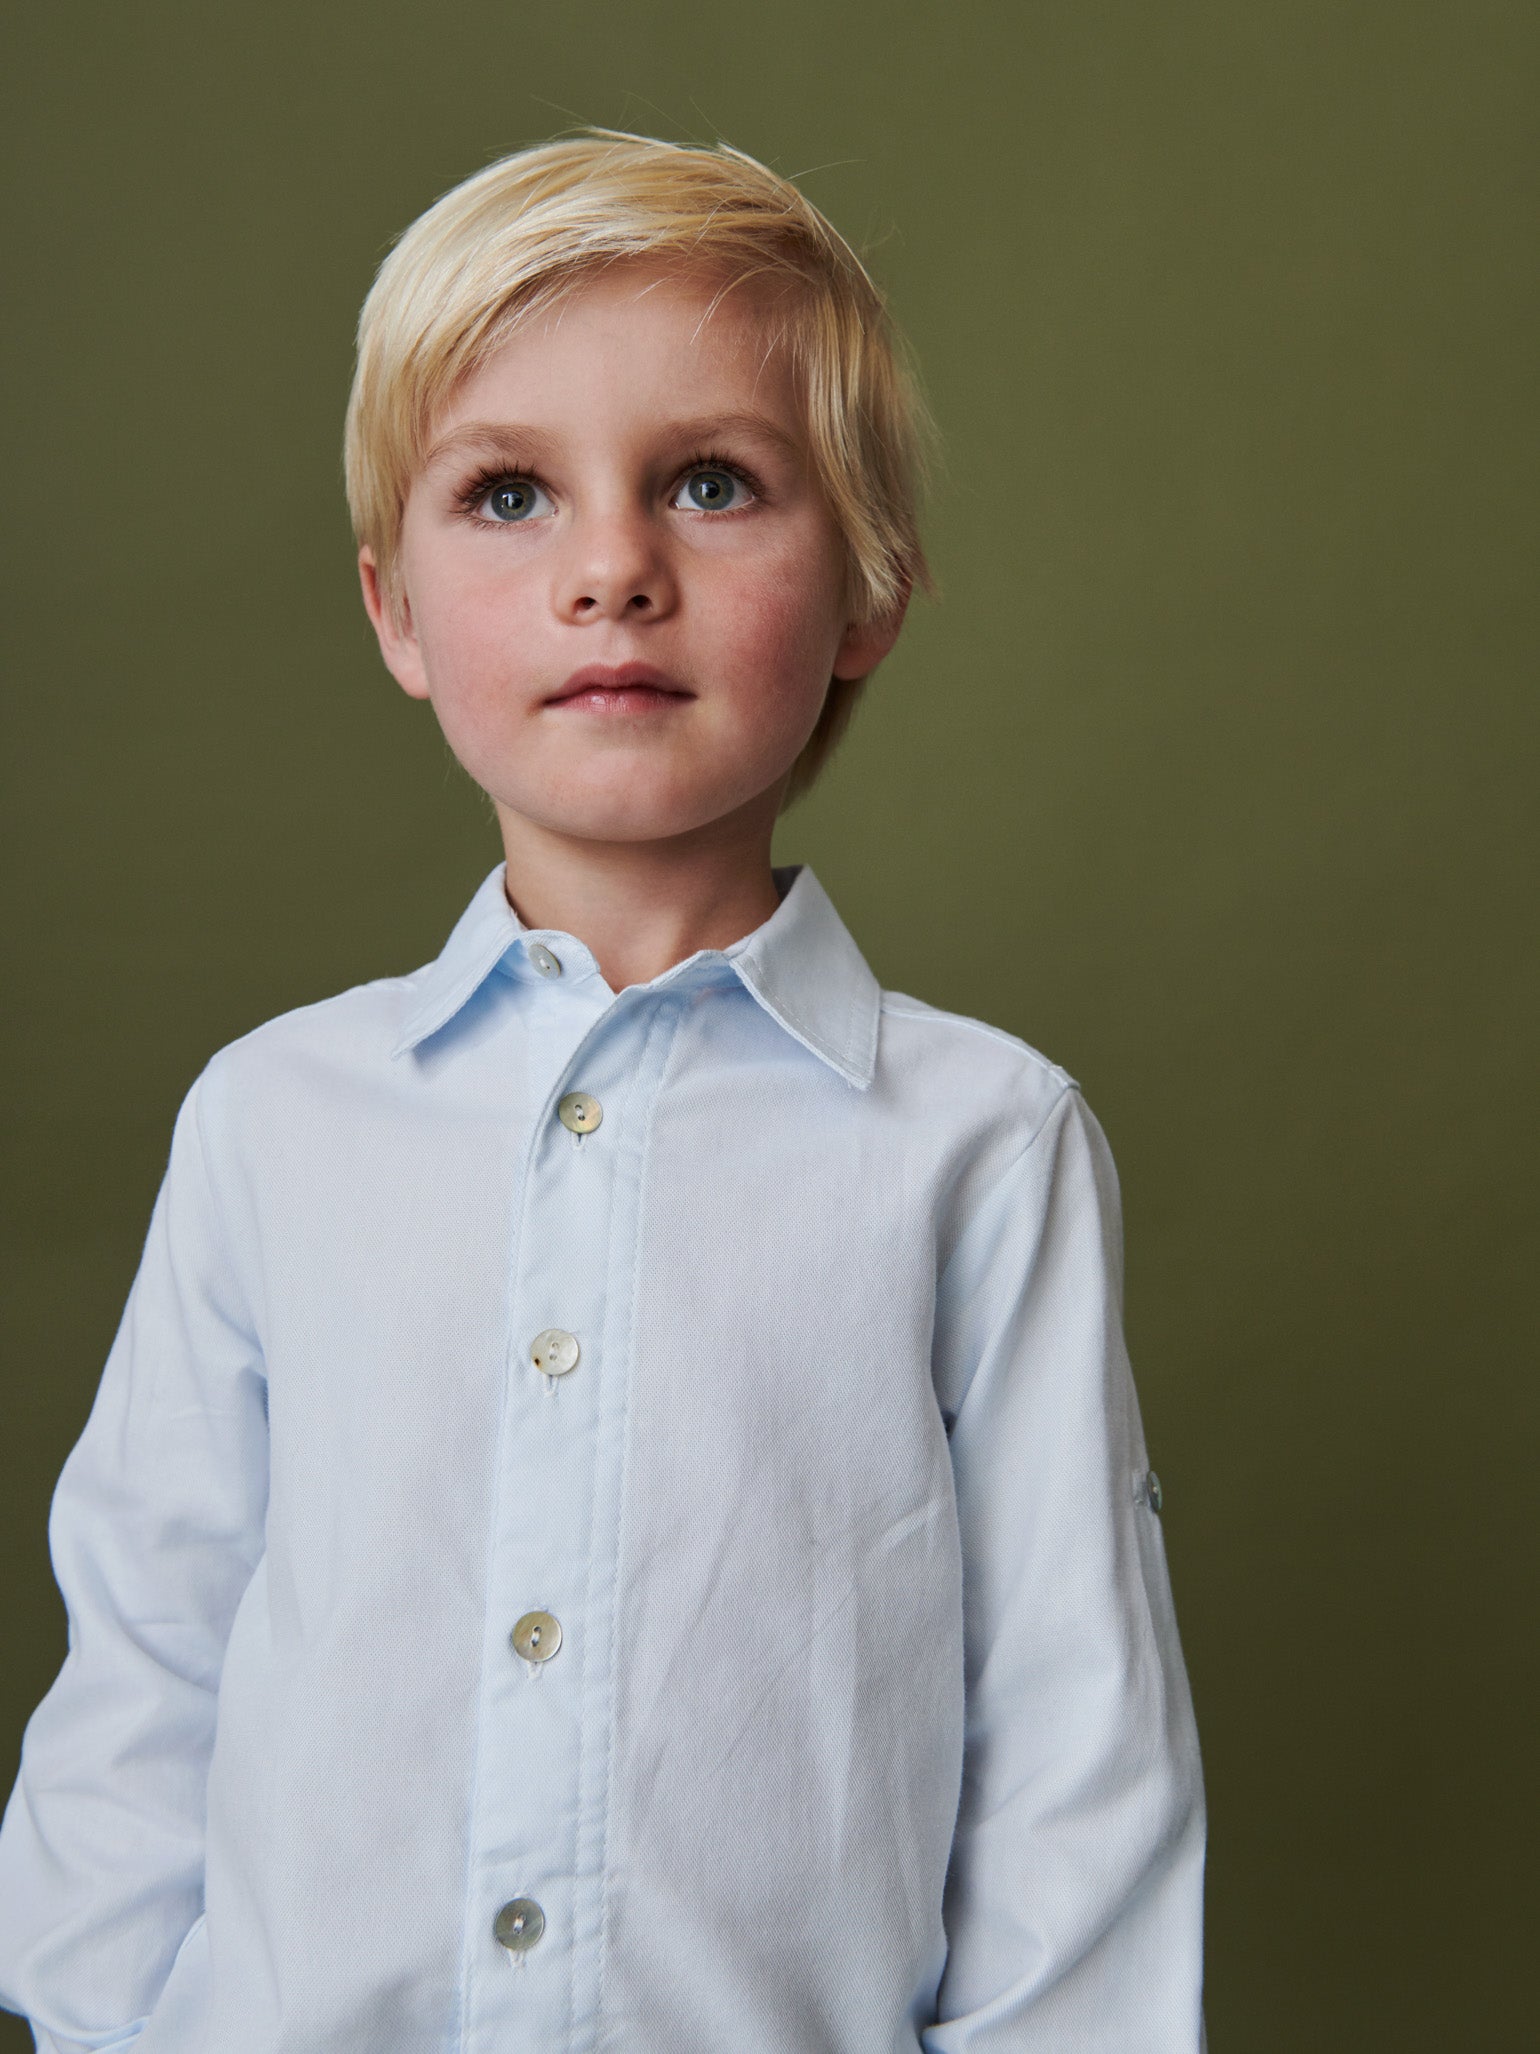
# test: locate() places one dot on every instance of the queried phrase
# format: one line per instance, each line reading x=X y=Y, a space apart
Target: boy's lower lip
x=622 y=699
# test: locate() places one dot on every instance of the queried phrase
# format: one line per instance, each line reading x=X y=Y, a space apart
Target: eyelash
x=476 y=488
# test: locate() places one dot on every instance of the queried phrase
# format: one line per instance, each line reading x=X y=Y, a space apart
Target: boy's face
x=626 y=482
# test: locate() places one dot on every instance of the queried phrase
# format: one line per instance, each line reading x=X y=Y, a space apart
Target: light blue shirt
x=616 y=1521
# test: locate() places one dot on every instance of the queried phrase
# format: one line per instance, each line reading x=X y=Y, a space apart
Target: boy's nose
x=615 y=569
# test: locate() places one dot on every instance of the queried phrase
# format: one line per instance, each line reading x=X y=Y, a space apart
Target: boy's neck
x=640 y=907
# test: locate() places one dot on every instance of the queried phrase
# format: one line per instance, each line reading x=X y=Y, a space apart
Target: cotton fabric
x=869 y=1730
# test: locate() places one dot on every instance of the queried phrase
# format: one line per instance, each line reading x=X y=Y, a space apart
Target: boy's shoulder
x=936 y=1049
x=351 y=1031
x=970 y=1038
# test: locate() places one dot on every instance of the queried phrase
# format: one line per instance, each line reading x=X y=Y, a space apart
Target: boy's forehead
x=704 y=308
x=637 y=319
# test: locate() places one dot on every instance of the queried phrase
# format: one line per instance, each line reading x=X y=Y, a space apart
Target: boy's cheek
x=475 y=700
x=786 y=607
x=777 y=642
x=476 y=651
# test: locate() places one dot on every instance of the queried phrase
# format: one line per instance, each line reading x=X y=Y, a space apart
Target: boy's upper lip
x=614 y=678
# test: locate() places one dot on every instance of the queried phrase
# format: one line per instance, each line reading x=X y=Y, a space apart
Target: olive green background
x=1212 y=774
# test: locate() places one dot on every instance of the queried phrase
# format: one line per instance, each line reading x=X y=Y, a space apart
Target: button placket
x=541 y=1753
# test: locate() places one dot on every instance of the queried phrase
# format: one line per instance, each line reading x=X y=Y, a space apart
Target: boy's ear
x=865 y=646
x=398 y=643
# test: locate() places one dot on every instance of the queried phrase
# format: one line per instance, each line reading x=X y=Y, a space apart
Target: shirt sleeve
x=1073 y=1904
x=155 y=1531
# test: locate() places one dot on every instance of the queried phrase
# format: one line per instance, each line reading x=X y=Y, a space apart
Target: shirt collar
x=801 y=964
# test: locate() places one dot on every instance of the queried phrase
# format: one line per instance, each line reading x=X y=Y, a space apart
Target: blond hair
x=511 y=240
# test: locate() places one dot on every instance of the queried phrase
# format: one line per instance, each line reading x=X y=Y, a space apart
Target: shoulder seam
x=312 y=1005
x=1001 y=1034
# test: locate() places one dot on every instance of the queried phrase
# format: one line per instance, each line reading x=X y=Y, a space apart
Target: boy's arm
x=1074 y=1899
x=156 y=1528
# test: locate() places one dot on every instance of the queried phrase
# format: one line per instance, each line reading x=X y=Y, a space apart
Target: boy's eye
x=710 y=489
x=705 y=488
x=510 y=499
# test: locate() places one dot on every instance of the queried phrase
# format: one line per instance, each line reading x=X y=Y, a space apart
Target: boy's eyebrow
x=511 y=441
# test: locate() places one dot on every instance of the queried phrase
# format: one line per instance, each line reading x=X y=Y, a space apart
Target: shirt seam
x=999 y=1034
x=261 y=1028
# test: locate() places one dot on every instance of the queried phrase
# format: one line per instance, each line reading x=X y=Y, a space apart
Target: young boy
x=617 y=1517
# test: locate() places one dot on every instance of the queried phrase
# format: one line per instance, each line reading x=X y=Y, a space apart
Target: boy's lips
x=644 y=678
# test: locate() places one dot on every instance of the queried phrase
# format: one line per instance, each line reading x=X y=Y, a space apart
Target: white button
x=547 y=964
x=519 y=1925
x=554 y=1351
x=580 y=1112
x=536 y=1636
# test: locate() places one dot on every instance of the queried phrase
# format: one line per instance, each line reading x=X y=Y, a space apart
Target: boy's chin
x=600 y=822
x=645 y=809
